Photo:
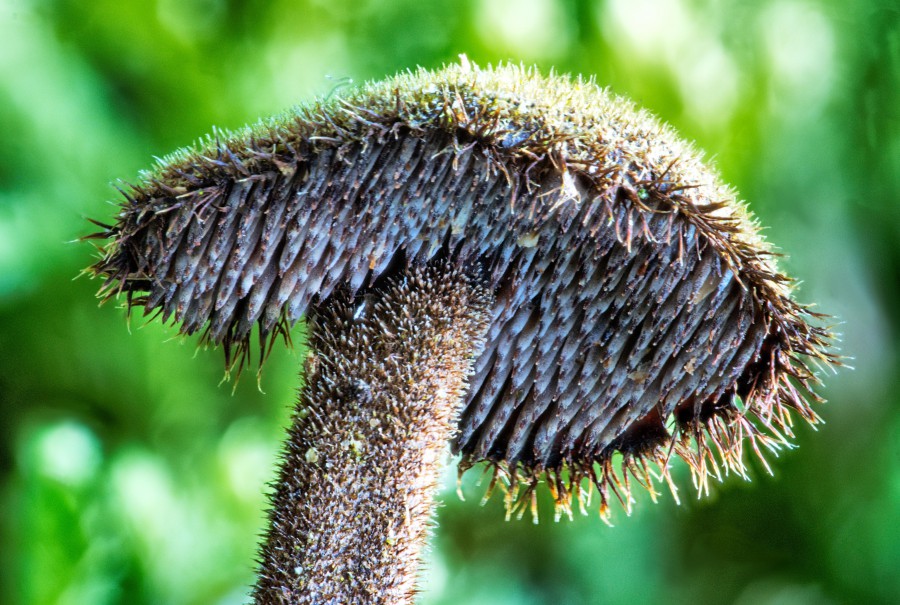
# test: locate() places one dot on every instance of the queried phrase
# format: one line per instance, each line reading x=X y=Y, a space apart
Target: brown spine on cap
x=383 y=383
x=638 y=312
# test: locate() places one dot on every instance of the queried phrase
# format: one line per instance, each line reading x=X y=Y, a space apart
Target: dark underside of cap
x=628 y=317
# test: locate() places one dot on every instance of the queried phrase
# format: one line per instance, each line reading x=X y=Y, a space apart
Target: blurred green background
x=128 y=474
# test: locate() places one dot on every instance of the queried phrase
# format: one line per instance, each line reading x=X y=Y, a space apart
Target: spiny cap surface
x=637 y=308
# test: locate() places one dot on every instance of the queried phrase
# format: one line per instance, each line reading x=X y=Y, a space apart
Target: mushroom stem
x=384 y=380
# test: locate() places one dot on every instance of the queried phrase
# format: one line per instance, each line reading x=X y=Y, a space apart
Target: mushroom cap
x=638 y=311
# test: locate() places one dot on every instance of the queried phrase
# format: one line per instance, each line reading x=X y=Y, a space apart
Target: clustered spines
x=599 y=229
x=711 y=439
x=712 y=449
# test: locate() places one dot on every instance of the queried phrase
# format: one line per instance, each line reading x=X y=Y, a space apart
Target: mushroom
x=523 y=266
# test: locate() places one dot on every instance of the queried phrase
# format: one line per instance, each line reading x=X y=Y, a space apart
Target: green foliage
x=127 y=474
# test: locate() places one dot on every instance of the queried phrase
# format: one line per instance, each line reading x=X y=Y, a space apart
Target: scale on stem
x=619 y=303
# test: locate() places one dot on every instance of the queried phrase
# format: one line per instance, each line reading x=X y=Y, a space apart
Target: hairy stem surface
x=383 y=384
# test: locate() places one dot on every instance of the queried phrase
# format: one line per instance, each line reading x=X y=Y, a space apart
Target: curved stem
x=384 y=380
